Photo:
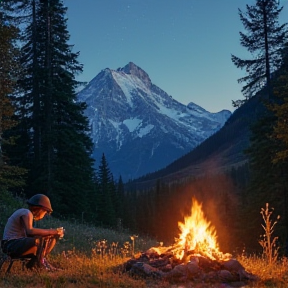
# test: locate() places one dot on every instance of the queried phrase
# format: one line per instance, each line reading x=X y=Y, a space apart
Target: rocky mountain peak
x=134 y=121
x=136 y=71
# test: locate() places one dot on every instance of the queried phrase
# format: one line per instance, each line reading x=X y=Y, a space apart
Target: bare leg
x=43 y=246
x=49 y=245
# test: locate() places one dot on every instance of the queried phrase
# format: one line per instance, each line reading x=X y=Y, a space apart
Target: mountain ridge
x=220 y=153
x=138 y=126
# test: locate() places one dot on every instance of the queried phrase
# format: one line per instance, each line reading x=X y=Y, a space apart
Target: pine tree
x=280 y=132
x=119 y=200
x=280 y=108
x=92 y=208
x=107 y=214
x=264 y=40
x=159 y=202
x=7 y=63
x=268 y=182
x=55 y=136
x=268 y=164
x=131 y=208
x=10 y=176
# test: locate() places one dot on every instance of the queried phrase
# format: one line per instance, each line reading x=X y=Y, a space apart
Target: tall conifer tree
x=280 y=109
x=55 y=134
x=280 y=133
x=10 y=176
x=264 y=40
x=119 y=201
x=268 y=162
x=106 y=209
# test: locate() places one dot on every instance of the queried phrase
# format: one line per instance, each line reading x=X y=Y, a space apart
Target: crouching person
x=21 y=239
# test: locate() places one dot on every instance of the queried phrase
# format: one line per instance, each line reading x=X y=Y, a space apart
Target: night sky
x=184 y=45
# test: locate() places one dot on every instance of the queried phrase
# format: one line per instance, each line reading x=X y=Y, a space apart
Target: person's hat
x=40 y=200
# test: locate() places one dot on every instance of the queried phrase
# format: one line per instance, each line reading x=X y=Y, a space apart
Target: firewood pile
x=160 y=262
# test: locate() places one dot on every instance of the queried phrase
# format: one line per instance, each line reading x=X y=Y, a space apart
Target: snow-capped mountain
x=138 y=126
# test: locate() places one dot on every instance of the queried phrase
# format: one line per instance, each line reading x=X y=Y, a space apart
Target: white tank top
x=14 y=227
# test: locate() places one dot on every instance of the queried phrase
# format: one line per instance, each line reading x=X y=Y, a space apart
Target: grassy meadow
x=94 y=257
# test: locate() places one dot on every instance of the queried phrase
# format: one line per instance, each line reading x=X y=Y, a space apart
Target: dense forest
x=45 y=145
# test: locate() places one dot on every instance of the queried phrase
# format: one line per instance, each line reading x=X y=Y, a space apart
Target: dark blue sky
x=184 y=45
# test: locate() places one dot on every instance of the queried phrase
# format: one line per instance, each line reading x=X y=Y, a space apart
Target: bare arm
x=31 y=231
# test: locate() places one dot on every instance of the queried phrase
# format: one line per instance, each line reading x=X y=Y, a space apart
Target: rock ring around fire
x=195 y=268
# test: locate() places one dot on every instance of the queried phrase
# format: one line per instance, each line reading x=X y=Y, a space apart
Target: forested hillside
x=226 y=148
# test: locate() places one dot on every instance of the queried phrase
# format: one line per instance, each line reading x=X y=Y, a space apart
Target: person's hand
x=60 y=232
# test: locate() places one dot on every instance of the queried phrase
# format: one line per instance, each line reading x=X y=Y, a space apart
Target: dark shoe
x=32 y=263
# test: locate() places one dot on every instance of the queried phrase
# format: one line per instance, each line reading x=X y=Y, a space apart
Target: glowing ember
x=197 y=235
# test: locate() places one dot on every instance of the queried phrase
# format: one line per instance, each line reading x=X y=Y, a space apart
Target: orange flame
x=197 y=235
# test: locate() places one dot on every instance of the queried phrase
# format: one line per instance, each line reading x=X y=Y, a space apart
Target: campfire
x=197 y=235
x=195 y=255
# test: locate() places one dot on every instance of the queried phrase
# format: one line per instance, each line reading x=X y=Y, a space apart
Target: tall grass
x=275 y=275
x=89 y=239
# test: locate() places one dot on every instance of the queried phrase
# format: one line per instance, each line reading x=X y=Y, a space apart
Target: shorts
x=18 y=247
